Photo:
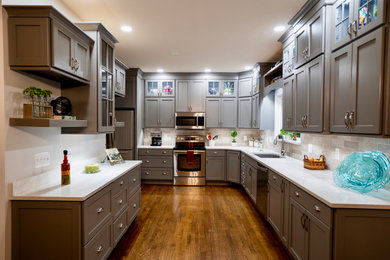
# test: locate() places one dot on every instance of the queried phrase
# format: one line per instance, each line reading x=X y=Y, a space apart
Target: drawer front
x=120 y=227
x=119 y=185
x=299 y=195
x=119 y=202
x=157 y=174
x=134 y=181
x=96 y=211
x=215 y=152
x=155 y=152
x=100 y=246
x=134 y=207
x=252 y=162
x=274 y=178
x=157 y=162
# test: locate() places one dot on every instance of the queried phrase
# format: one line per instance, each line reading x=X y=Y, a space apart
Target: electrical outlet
x=42 y=159
x=310 y=148
x=337 y=154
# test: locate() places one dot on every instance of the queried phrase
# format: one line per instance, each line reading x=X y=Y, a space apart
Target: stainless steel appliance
x=124 y=136
x=189 y=161
x=190 y=120
x=262 y=194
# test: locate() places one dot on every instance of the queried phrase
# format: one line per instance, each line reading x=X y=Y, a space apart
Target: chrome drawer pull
x=121 y=183
x=147 y=173
x=120 y=226
x=120 y=202
x=316 y=208
x=100 y=210
x=164 y=173
x=296 y=193
x=164 y=152
x=164 y=161
x=134 y=180
x=99 y=249
x=147 y=161
x=215 y=152
x=134 y=205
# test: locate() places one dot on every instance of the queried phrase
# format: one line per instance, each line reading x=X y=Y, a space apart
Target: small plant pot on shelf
x=234 y=144
x=314 y=164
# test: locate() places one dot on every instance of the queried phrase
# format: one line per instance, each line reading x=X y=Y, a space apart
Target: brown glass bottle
x=65 y=170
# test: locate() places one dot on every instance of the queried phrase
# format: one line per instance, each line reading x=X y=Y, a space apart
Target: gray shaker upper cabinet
x=191 y=96
x=288 y=57
x=288 y=99
x=357 y=86
x=353 y=18
x=221 y=112
x=160 y=112
x=245 y=112
x=182 y=96
x=44 y=42
x=309 y=40
x=120 y=78
x=245 y=87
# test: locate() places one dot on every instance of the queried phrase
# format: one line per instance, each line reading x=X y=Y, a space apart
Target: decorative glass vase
x=28 y=107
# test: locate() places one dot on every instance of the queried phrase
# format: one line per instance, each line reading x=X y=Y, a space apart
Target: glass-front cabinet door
x=167 y=88
x=106 y=87
x=213 y=88
x=152 y=88
x=155 y=88
x=229 y=88
x=343 y=17
x=368 y=14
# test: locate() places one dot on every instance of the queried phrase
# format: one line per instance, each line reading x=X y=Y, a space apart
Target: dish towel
x=190 y=157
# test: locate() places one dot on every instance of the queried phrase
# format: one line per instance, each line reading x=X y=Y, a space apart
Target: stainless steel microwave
x=190 y=120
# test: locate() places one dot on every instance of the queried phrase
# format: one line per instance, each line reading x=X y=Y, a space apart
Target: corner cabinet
x=245 y=87
x=45 y=43
x=233 y=168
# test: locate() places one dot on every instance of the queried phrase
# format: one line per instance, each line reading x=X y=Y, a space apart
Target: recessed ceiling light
x=247 y=67
x=207 y=70
x=160 y=70
x=126 y=28
x=279 y=28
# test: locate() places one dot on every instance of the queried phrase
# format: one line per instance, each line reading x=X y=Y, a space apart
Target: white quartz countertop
x=156 y=147
x=48 y=186
x=319 y=184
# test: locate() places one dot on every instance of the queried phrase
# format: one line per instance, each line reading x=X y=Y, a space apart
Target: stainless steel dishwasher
x=262 y=192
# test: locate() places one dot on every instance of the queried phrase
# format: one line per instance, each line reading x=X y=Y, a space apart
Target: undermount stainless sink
x=268 y=155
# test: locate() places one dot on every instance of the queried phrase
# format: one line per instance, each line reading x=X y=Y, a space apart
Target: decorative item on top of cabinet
x=120 y=78
x=96 y=103
x=43 y=42
x=357 y=86
x=191 y=96
x=353 y=18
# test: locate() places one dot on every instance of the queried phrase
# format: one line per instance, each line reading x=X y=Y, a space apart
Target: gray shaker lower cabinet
x=215 y=168
x=76 y=229
x=233 y=166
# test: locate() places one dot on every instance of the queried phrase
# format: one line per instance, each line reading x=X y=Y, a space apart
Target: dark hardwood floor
x=211 y=222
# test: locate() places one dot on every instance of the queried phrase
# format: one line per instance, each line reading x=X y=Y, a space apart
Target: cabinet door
x=182 y=96
x=151 y=112
x=315 y=94
x=81 y=59
x=248 y=181
x=245 y=87
x=288 y=59
x=215 y=168
x=367 y=80
x=229 y=112
x=213 y=112
x=300 y=99
x=213 y=88
x=340 y=88
x=288 y=104
x=254 y=184
x=342 y=17
x=166 y=112
x=275 y=207
x=198 y=96
x=229 y=88
x=120 y=87
x=244 y=112
x=286 y=209
x=316 y=34
x=318 y=239
x=62 y=48
x=167 y=88
x=255 y=111
x=233 y=166
x=297 y=240
x=368 y=14
x=152 y=88
x=301 y=46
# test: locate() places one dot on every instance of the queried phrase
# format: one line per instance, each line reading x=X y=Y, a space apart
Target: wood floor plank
x=210 y=222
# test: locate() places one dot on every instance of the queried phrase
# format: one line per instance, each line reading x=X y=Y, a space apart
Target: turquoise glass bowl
x=363 y=171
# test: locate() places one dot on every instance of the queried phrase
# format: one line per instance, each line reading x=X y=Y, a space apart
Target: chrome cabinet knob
x=147 y=173
x=316 y=208
x=100 y=210
x=120 y=202
x=99 y=249
x=121 y=183
x=120 y=225
x=134 y=180
x=296 y=194
x=164 y=173
x=134 y=205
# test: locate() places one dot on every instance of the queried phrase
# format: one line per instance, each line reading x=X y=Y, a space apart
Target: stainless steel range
x=189 y=161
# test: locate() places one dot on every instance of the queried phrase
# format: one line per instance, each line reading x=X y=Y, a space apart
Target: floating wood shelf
x=274 y=86
x=47 y=122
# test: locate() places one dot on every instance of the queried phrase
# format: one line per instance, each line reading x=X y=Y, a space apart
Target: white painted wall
x=21 y=144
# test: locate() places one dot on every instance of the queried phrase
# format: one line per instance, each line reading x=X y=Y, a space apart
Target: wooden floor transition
x=211 y=222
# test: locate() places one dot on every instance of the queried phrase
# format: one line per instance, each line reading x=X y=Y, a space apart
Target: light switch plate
x=42 y=159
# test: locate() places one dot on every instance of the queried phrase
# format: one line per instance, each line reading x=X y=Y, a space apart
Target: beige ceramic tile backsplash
x=327 y=144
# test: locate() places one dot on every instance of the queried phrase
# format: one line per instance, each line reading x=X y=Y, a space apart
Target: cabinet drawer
x=215 y=152
x=96 y=211
x=155 y=152
x=134 y=181
x=119 y=185
x=274 y=178
x=252 y=162
x=134 y=207
x=119 y=227
x=158 y=162
x=119 y=202
x=157 y=174
x=100 y=246
x=314 y=206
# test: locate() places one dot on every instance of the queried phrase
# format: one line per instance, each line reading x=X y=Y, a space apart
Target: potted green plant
x=234 y=134
x=47 y=109
x=28 y=107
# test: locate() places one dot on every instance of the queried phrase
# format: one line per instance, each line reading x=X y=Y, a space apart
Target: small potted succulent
x=234 y=135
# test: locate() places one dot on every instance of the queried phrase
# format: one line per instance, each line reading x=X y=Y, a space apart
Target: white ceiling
x=223 y=35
